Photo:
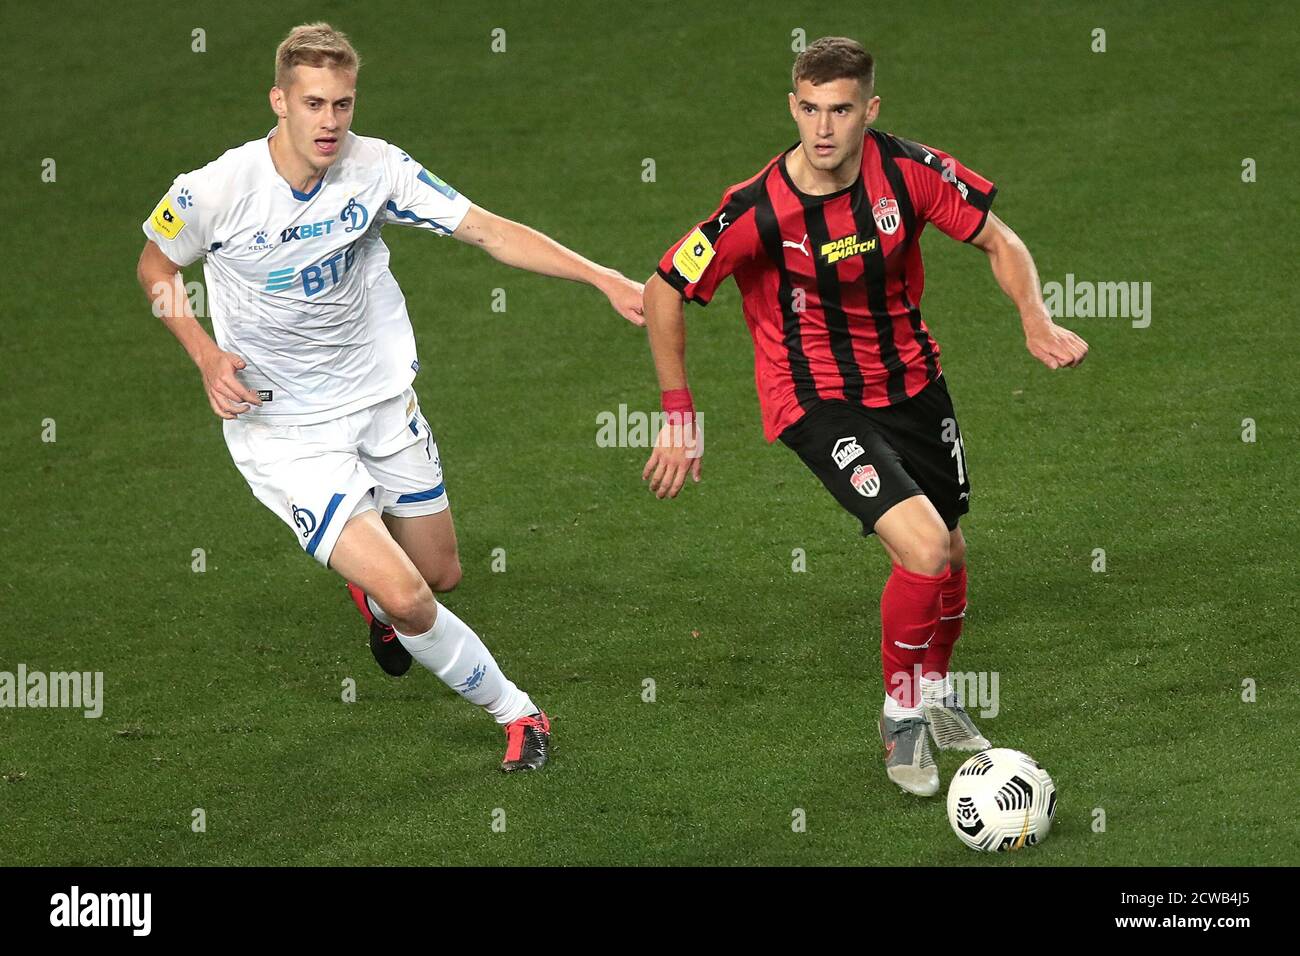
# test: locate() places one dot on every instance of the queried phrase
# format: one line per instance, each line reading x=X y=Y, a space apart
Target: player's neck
x=293 y=169
x=821 y=182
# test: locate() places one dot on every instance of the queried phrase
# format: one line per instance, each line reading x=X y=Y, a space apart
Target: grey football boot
x=908 y=759
x=951 y=727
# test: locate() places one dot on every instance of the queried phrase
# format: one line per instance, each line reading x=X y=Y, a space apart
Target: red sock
x=951 y=615
x=909 y=613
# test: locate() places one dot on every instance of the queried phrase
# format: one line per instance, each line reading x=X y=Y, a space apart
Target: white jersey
x=289 y=274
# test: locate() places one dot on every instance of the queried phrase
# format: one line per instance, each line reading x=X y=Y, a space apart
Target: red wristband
x=676 y=399
x=677 y=405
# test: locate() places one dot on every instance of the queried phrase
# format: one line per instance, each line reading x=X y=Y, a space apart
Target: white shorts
x=316 y=477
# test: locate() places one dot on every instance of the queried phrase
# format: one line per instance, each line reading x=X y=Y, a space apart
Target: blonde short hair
x=314 y=44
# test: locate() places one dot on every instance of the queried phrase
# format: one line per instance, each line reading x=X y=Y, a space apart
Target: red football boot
x=528 y=743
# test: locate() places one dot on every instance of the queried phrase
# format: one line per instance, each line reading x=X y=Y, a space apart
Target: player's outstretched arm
x=1054 y=346
x=679 y=445
x=163 y=283
x=517 y=245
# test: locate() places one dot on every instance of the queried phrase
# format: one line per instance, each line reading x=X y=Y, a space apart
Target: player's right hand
x=1055 y=346
x=227 y=395
x=678 y=450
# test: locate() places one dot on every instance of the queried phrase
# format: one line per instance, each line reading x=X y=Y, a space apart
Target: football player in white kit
x=314 y=355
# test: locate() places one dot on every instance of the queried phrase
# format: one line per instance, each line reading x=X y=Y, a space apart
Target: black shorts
x=870 y=459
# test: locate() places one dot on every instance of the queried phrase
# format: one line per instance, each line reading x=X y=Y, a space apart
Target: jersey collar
x=809 y=198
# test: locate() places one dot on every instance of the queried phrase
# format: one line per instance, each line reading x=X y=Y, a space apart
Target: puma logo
x=797 y=245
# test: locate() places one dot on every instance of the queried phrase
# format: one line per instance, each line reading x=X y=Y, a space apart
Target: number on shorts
x=959 y=453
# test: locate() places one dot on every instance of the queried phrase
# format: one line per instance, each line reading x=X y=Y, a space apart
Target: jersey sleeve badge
x=166 y=220
x=693 y=256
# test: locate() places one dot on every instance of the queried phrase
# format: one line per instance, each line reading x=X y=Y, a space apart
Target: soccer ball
x=1001 y=799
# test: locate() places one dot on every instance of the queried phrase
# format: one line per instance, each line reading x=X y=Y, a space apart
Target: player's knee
x=929 y=554
x=411 y=607
x=446 y=578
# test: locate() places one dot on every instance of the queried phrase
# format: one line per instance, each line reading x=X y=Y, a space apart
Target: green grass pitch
x=223 y=688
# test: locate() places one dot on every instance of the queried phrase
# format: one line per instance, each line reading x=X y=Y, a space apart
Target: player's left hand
x=1054 y=346
x=625 y=296
x=677 y=452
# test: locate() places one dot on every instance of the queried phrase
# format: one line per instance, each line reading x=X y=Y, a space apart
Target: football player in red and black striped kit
x=824 y=245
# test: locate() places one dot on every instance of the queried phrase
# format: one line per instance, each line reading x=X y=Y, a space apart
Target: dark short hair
x=835 y=58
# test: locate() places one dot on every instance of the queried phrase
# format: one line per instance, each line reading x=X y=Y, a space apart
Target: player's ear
x=277 y=102
x=873 y=109
x=794 y=107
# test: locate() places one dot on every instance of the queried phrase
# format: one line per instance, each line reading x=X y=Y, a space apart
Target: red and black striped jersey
x=832 y=284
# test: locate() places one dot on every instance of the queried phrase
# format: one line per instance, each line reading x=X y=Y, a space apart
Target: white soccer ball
x=1001 y=799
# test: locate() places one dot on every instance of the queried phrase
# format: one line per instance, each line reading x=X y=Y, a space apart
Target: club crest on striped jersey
x=865 y=481
x=837 y=249
x=886 y=212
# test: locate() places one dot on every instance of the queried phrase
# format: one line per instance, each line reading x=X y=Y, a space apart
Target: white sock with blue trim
x=455 y=654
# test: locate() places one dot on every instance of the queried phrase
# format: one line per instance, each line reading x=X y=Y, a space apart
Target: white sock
x=934 y=691
x=378 y=611
x=896 y=711
x=456 y=655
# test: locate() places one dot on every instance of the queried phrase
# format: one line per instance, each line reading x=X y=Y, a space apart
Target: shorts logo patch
x=304 y=519
x=265 y=395
x=865 y=481
x=845 y=451
x=694 y=256
x=166 y=220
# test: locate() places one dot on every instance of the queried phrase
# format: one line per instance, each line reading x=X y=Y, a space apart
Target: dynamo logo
x=304 y=519
x=355 y=215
